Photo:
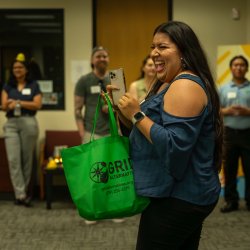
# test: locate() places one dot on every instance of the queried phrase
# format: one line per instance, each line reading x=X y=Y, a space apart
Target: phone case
x=117 y=79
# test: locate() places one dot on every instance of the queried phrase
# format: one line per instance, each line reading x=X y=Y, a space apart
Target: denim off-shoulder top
x=179 y=162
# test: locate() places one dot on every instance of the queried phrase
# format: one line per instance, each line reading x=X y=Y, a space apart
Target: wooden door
x=126 y=28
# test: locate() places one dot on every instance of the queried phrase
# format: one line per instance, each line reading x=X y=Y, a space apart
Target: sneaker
x=90 y=222
x=118 y=220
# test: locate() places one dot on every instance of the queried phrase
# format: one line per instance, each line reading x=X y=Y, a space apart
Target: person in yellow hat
x=21 y=98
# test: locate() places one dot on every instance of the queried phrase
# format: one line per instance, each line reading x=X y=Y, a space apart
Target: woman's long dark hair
x=12 y=79
x=195 y=60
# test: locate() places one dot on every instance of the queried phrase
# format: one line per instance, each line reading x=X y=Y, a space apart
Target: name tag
x=26 y=91
x=95 y=89
x=231 y=95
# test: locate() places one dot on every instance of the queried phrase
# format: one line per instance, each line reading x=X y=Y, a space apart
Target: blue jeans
x=171 y=224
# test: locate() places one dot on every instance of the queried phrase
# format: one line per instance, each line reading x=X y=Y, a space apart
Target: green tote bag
x=100 y=177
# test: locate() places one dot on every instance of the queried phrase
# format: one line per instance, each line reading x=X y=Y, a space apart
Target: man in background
x=87 y=91
x=235 y=107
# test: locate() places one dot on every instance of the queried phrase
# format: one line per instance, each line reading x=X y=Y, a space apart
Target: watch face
x=139 y=116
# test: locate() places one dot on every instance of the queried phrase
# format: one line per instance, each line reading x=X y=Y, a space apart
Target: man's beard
x=102 y=68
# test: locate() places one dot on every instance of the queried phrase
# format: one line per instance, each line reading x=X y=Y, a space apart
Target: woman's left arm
x=35 y=104
x=184 y=103
x=185 y=98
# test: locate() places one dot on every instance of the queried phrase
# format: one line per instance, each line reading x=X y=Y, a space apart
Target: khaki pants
x=20 y=140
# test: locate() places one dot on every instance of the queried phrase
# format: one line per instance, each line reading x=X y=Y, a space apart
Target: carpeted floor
x=62 y=229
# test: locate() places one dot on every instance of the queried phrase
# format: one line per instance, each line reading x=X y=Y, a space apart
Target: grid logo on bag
x=101 y=172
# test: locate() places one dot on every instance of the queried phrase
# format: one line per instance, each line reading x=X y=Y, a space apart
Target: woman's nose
x=154 y=53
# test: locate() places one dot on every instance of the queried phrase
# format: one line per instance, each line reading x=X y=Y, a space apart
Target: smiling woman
x=175 y=141
x=21 y=98
x=37 y=33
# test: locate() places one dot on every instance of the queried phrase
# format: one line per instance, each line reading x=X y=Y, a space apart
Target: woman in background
x=139 y=88
x=21 y=98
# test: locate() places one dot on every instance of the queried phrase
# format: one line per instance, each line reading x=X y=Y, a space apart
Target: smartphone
x=117 y=79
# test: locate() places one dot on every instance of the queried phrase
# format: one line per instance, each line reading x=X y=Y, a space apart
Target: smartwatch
x=138 y=117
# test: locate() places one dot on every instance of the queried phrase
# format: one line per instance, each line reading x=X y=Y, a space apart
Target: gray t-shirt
x=88 y=87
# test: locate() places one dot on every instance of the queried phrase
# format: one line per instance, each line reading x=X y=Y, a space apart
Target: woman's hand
x=109 y=89
x=128 y=106
x=11 y=104
x=105 y=108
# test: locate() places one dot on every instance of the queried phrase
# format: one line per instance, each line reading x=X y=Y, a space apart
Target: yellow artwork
x=224 y=54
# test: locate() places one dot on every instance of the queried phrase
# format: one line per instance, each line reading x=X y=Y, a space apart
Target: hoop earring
x=183 y=63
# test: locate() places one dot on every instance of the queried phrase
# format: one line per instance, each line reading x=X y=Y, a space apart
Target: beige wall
x=248 y=22
x=78 y=44
x=212 y=22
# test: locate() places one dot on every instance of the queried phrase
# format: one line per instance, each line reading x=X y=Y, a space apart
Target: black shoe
x=19 y=202
x=229 y=207
x=27 y=202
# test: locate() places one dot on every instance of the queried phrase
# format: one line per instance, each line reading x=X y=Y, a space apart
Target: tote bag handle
x=112 y=120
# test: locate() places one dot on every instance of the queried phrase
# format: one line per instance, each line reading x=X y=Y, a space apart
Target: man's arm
x=242 y=110
x=78 y=105
x=228 y=111
x=235 y=110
